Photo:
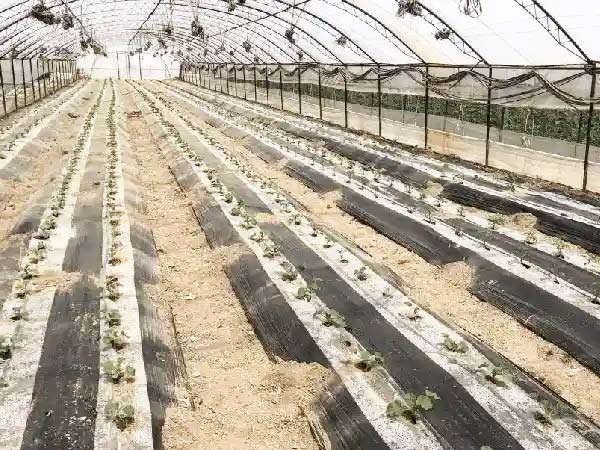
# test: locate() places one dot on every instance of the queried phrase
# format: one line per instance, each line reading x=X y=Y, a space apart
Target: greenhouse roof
x=454 y=32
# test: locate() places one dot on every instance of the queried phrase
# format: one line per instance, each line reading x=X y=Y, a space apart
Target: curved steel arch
x=313 y=39
x=464 y=43
x=358 y=11
x=531 y=6
x=534 y=8
x=330 y=25
x=34 y=35
x=283 y=51
x=315 y=42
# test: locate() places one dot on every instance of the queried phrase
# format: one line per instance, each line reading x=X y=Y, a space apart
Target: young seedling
x=121 y=414
x=459 y=178
x=412 y=406
x=361 y=274
x=49 y=224
x=530 y=237
x=113 y=255
x=485 y=239
x=555 y=273
x=496 y=220
x=113 y=318
x=5 y=348
x=259 y=236
x=596 y=298
x=296 y=219
x=523 y=259
x=289 y=272
x=21 y=289
x=454 y=346
x=414 y=314
x=249 y=222
x=116 y=338
x=429 y=210
x=388 y=293
x=328 y=243
x=228 y=197
x=27 y=273
x=593 y=261
x=117 y=370
x=16 y=314
x=461 y=211
x=366 y=361
x=238 y=209
x=42 y=235
x=343 y=258
x=112 y=288
x=548 y=411
x=271 y=251
x=307 y=292
x=494 y=374
x=560 y=247
x=331 y=318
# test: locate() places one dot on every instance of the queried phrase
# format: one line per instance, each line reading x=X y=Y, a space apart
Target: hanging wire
x=471 y=8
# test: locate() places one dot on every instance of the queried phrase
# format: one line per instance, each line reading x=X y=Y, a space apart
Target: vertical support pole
x=140 y=62
x=281 y=85
x=267 y=81
x=320 y=93
x=426 y=106
x=24 y=84
x=379 y=109
x=44 y=79
x=118 y=67
x=220 y=79
x=200 y=69
x=244 y=73
x=39 y=75
x=345 y=102
x=53 y=75
x=32 y=78
x=60 y=74
x=489 y=118
x=227 y=74
x=235 y=90
x=588 y=141
x=299 y=90
x=255 y=83
x=3 y=94
x=14 y=82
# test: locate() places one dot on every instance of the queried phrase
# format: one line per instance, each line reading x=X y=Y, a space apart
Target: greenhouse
x=299 y=224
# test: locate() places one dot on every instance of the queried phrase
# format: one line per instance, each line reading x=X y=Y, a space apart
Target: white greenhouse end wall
x=123 y=65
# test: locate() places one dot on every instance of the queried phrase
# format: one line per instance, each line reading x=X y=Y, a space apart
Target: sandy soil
x=15 y=194
x=444 y=292
x=243 y=400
